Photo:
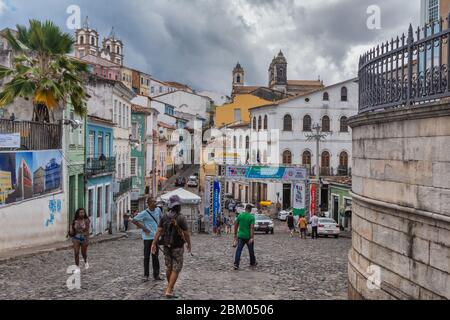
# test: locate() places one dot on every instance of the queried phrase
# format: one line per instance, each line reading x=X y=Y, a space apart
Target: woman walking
x=79 y=231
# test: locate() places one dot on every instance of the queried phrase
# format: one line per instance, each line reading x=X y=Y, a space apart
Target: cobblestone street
x=288 y=269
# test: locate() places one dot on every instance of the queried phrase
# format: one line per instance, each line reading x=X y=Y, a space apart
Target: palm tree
x=42 y=71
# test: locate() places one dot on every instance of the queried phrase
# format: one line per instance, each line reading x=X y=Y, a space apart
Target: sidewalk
x=65 y=245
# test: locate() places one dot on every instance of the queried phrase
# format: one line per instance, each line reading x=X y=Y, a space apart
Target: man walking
x=302 y=224
x=148 y=221
x=244 y=234
x=126 y=219
x=290 y=223
x=174 y=231
x=314 y=226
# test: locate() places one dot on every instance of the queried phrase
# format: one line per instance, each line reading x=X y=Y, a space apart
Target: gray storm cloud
x=198 y=42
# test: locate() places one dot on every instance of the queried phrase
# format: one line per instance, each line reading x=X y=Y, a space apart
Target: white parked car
x=327 y=227
x=193 y=182
x=283 y=214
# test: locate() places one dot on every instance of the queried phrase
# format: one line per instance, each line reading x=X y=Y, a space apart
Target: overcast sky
x=198 y=42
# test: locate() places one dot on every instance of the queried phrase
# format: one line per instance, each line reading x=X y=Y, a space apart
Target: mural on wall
x=24 y=175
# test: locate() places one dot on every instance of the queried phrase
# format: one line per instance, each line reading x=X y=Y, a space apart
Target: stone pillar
x=401 y=203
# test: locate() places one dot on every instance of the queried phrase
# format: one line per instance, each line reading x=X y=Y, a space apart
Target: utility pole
x=317 y=136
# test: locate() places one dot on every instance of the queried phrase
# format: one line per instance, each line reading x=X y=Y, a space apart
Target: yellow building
x=5 y=185
x=238 y=111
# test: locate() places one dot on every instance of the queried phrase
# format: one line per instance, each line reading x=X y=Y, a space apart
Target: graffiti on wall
x=25 y=175
x=55 y=207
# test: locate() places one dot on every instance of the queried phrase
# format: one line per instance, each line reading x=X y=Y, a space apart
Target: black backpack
x=173 y=235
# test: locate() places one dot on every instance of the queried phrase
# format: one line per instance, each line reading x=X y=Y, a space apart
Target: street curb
x=59 y=248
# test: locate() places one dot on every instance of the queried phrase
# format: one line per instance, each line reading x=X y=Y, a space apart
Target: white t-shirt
x=314 y=221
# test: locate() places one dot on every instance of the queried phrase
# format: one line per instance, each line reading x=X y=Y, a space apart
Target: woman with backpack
x=173 y=229
x=79 y=232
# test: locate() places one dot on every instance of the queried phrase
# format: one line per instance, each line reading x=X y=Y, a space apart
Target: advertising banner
x=313 y=207
x=299 y=199
x=216 y=202
x=24 y=175
x=283 y=174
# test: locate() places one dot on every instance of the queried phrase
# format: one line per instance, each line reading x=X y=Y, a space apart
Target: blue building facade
x=100 y=169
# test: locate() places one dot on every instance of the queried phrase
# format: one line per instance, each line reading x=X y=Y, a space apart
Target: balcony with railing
x=96 y=166
x=123 y=187
x=34 y=135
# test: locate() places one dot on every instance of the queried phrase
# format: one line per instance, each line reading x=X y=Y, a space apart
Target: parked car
x=283 y=214
x=193 y=182
x=327 y=227
x=264 y=224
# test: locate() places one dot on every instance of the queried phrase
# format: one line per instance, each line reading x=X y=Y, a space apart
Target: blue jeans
x=251 y=251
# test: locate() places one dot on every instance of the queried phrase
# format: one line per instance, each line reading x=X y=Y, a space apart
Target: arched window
x=238 y=78
x=108 y=48
x=234 y=142
x=287 y=157
x=266 y=124
x=259 y=123
x=81 y=40
x=254 y=123
x=344 y=94
x=326 y=96
x=287 y=123
x=93 y=41
x=247 y=142
x=118 y=50
x=344 y=125
x=307 y=124
x=343 y=164
x=326 y=124
x=306 y=159
x=325 y=170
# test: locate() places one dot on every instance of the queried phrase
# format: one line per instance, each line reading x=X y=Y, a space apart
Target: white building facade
x=279 y=135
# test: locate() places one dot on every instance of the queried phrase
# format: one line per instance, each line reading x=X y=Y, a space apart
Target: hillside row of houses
x=137 y=133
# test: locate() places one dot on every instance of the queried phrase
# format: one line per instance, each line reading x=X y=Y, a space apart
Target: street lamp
x=317 y=136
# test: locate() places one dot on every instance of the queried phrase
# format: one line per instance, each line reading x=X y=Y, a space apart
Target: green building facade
x=74 y=152
x=341 y=204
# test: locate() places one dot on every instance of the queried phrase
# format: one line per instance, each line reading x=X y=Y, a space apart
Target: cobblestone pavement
x=289 y=268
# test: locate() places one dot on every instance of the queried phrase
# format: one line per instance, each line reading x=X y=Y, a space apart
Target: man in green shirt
x=244 y=234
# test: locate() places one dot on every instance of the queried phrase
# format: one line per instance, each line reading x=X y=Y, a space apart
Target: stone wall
x=401 y=203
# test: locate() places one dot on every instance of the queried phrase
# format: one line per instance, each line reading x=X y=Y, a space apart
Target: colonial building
x=189 y=103
x=111 y=100
x=144 y=154
x=279 y=134
x=238 y=110
x=100 y=169
x=279 y=87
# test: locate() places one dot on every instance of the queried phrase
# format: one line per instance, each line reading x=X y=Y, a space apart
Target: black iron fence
x=34 y=135
x=407 y=70
x=100 y=165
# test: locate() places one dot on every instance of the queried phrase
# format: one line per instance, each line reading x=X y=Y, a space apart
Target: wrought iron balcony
x=100 y=165
x=124 y=186
x=407 y=70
